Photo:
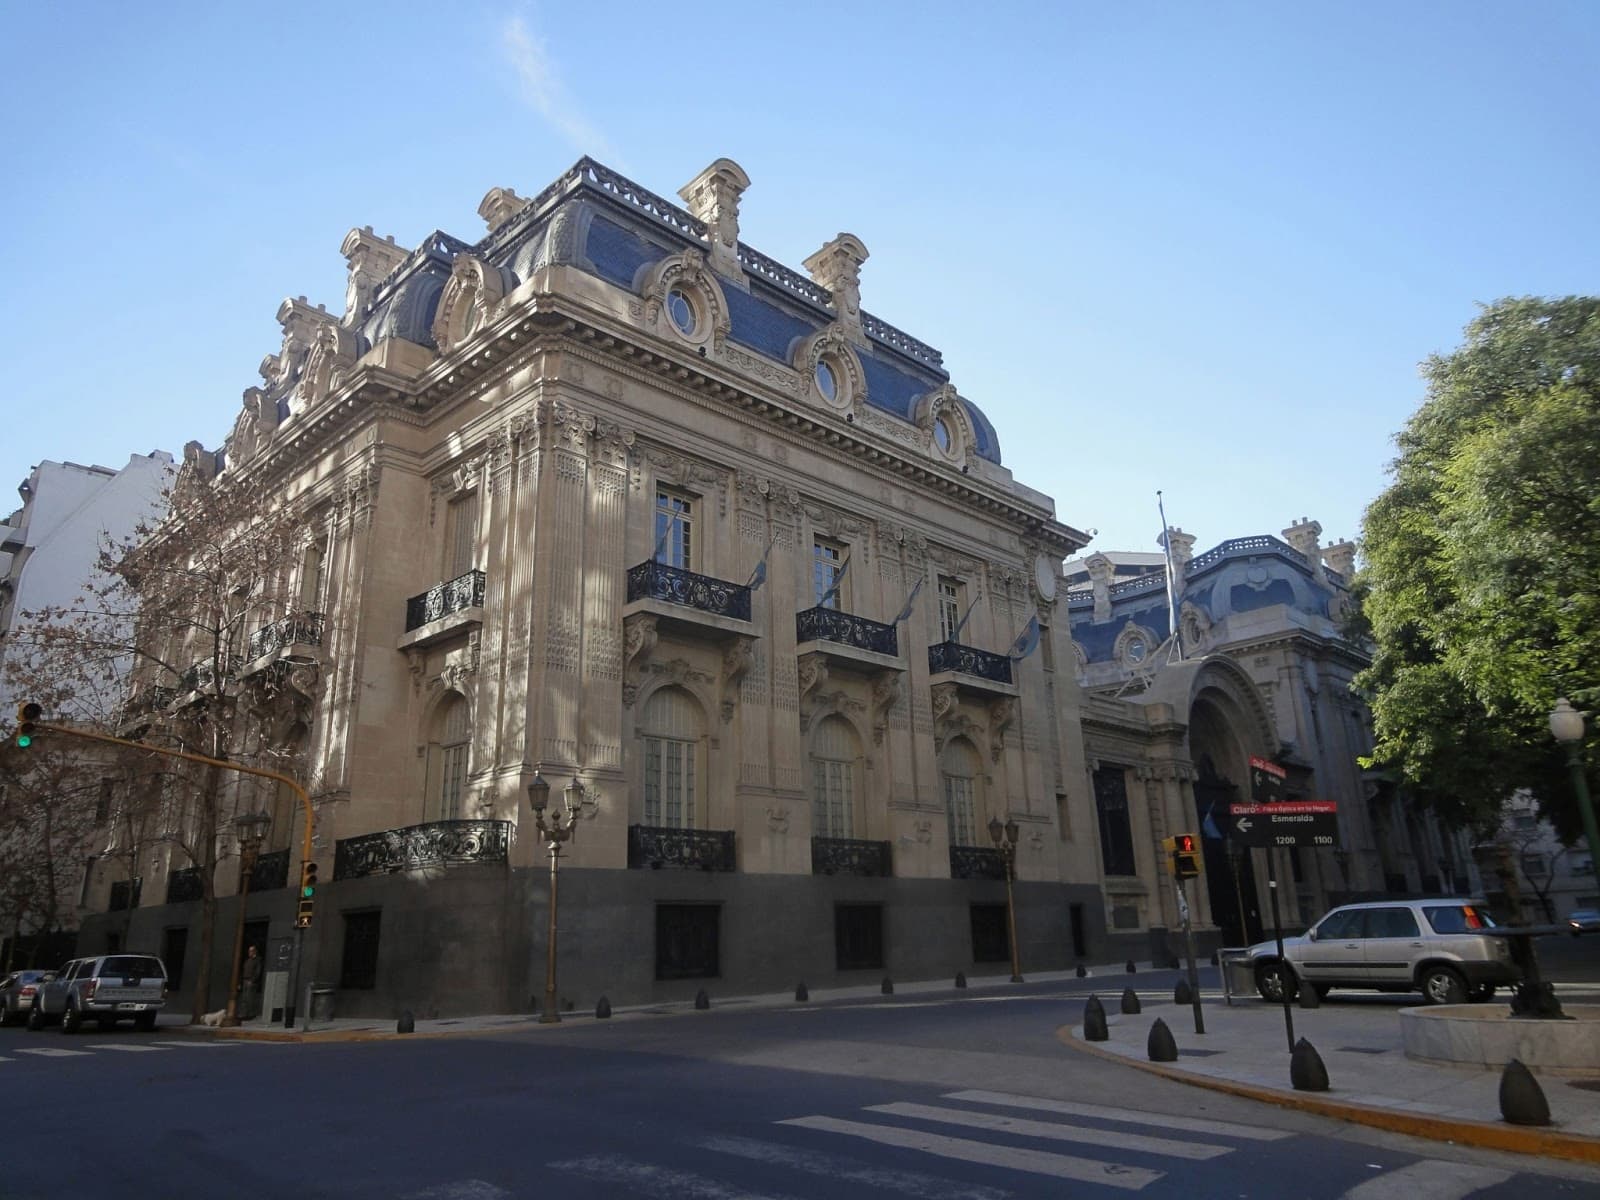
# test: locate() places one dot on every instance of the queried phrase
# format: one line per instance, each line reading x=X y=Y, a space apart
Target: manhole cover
x=1588 y=1085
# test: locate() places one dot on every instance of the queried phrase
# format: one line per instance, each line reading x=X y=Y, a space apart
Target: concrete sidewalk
x=1245 y=1052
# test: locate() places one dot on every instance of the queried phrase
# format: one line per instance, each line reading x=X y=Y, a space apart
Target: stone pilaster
x=713 y=197
x=837 y=267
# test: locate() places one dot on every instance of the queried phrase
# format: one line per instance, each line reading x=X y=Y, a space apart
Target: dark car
x=17 y=991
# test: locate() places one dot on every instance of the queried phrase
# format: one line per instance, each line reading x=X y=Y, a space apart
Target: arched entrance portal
x=1227 y=724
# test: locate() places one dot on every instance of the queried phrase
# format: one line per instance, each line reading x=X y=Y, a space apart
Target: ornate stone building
x=1262 y=669
x=608 y=498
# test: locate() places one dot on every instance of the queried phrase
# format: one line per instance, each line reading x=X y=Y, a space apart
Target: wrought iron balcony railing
x=297 y=629
x=968 y=660
x=202 y=677
x=846 y=629
x=658 y=846
x=151 y=698
x=657 y=581
x=436 y=844
x=184 y=885
x=124 y=895
x=270 y=872
x=464 y=591
x=849 y=856
x=976 y=862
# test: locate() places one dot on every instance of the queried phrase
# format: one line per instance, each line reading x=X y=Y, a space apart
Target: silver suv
x=105 y=989
x=1436 y=947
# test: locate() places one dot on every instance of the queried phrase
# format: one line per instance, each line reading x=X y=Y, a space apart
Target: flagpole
x=1172 y=600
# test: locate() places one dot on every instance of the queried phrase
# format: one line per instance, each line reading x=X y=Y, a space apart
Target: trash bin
x=321 y=1002
x=1238 y=974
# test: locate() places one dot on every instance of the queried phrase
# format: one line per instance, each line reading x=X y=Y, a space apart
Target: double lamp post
x=560 y=828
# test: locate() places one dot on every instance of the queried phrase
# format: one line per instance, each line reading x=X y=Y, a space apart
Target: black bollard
x=701 y=1000
x=888 y=986
x=1094 y=1020
x=961 y=979
x=1522 y=1100
x=1309 y=997
x=1082 y=970
x=602 y=1009
x=1306 y=1071
x=1130 y=1001
x=1160 y=1045
x=406 y=1024
x=1182 y=993
x=1132 y=970
x=800 y=993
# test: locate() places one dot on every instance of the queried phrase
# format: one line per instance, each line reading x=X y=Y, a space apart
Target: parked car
x=106 y=989
x=1436 y=947
x=16 y=993
x=1583 y=920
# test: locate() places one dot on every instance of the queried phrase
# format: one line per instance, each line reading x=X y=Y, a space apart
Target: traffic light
x=1186 y=856
x=27 y=713
x=308 y=895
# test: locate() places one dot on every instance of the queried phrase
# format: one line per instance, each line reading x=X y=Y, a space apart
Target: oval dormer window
x=941 y=435
x=681 y=309
x=827 y=381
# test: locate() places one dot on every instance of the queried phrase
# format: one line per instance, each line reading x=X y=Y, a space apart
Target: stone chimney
x=498 y=206
x=1100 y=570
x=370 y=259
x=1341 y=556
x=1303 y=535
x=837 y=267
x=1182 y=550
x=713 y=197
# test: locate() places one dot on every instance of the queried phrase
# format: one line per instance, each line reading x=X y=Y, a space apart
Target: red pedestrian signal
x=1187 y=858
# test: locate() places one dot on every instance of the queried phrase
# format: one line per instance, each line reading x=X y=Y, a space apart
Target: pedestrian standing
x=250 y=986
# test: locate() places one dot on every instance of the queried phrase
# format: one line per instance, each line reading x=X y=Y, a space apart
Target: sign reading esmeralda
x=1291 y=823
x=1266 y=781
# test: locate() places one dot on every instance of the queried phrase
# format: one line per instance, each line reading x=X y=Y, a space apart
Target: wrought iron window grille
x=968 y=660
x=674 y=585
x=850 y=856
x=462 y=592
x=845 y=629
x=436 y=844
x=976 y=862
x=184 y=885
x=657 y=846
x=271 y=871
x=297 y=629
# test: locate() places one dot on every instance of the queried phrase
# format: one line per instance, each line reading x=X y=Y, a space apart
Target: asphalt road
x=950 y=1096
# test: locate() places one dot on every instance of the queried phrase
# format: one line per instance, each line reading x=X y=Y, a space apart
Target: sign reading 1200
x=1291 y=823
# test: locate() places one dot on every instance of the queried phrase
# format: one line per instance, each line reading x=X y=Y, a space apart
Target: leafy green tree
x=1481 y=588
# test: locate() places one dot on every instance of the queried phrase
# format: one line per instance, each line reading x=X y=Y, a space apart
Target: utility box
x=320 y=1010
x=274 y=994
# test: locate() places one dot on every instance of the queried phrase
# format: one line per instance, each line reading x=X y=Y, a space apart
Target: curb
x=356 y=1035
x=1485 y=1135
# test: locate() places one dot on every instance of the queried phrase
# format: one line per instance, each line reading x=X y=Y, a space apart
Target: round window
x=827 y=382
x=941 y=435
x=681 y=309
x=1136 y=650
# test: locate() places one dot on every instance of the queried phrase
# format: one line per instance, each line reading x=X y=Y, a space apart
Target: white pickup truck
x=106 y=989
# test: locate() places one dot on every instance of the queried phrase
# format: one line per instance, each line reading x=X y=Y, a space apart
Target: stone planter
x=1488 y=1036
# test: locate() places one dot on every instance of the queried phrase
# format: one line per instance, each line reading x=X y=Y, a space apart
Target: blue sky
x=1195 y=247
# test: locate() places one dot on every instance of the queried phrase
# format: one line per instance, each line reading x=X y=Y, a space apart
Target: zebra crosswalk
x=89 y=1049
x=1037 y=1138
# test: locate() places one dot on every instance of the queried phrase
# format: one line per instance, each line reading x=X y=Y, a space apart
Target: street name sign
x=1291 y=823
x=1266 y=781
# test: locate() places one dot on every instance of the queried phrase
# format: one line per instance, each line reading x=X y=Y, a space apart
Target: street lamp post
x=1004 y=838
x=251 y=828
x=556 y=832
x=1566 y=725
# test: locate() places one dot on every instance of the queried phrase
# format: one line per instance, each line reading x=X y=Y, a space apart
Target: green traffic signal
x=27 y=713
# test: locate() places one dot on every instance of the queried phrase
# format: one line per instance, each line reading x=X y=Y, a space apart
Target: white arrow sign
x=1242 y=824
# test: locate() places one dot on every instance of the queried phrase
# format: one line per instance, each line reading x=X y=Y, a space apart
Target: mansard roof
x=596 y=221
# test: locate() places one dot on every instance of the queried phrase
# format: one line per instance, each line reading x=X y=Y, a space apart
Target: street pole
x=1580 y=785
x=551 y=1014
x=1283 y=963
x=1004 y=837
x=557 y=831
x=1188 y=943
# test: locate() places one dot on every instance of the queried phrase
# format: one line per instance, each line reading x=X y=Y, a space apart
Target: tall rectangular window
x=1116 y=828
x=669 y=782
x=949 y=608
x=827 y=564
x=102 y=803
x=832 y=801
x=959 y=809
x=313 y=569
x=858 y=937
x=461 y=535
x=674 y=529
x=686 y=941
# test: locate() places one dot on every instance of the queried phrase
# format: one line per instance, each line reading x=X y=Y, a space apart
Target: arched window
x=671 y=727
x=959 y=771
x=834 y=751
x=452 y=732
